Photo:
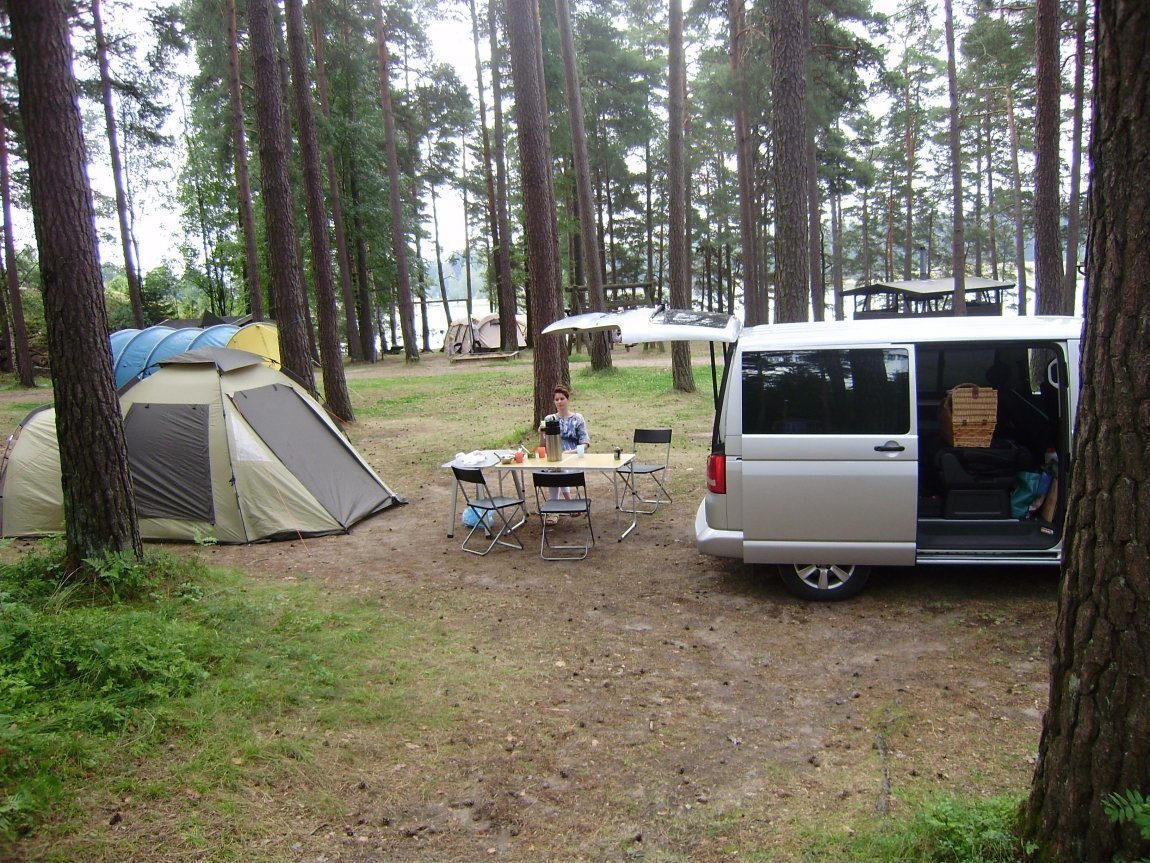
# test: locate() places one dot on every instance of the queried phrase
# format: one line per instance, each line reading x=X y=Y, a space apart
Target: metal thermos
x=553 y=441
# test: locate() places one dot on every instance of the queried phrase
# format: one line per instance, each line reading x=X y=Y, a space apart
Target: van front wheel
x=825 y=582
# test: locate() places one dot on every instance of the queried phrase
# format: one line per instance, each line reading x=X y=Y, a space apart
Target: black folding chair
x=652 y=460
x=492 y=511
x=575 y=482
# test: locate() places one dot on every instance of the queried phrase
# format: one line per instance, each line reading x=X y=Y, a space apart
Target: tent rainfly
x=137 y=353
x=221 y=447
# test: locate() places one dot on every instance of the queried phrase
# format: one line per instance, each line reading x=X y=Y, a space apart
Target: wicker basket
x=967 y=414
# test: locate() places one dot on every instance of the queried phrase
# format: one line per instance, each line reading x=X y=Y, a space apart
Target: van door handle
x=890 y=446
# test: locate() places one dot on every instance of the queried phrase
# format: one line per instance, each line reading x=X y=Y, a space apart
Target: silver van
x=828 y=457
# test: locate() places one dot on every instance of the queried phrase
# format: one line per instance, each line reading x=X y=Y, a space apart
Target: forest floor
x=646 y=703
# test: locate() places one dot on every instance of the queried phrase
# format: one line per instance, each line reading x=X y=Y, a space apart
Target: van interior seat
x=977 y=481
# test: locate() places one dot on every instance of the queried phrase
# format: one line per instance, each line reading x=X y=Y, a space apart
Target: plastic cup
x=519 y=457
x=541 y=452
x=579 y=450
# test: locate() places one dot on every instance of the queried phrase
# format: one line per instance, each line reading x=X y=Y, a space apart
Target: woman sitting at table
x=572 y=428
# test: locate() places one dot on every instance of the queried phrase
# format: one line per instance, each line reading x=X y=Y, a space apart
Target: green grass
x=242 y=680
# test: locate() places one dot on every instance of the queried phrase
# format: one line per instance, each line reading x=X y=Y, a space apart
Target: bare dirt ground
x=648 y=702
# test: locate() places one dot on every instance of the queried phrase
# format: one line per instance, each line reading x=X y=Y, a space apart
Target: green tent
x=221 y=447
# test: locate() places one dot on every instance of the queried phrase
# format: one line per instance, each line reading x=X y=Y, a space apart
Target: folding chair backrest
x=561 y=479
x=472 y=475
x=653 y=436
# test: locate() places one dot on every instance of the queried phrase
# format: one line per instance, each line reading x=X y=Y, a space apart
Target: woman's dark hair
x=561 y=388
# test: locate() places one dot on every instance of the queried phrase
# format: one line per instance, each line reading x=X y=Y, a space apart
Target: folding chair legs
x=504 y=528
x=550 y=551
x=662 y=495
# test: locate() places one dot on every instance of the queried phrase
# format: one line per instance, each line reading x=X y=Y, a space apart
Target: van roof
x=904 y=330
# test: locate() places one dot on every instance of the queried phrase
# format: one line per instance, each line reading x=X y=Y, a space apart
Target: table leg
x=634 y=503
x=454 y=509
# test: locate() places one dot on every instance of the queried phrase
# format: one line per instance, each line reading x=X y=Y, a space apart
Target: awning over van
x=658 y=324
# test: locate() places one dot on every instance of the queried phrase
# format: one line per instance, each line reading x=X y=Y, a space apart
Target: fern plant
x=1130 y=807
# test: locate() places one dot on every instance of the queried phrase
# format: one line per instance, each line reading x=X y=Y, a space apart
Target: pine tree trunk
x=1047 y=162
x=365 y=306
x=1074 y=201
x=439 y=253
x=815 y=235
x=991 y=218
x=958 y=249
x=243 y=174
x=23 y=354
x=130 y=269
x=754 y=297
x=909 y=144
x=588 y=242
x=283 y=240
x=99 y=510
x=1096 y=733
x=508 y=331
x=508 y=325
x=790 y=104
x=354 y=342
x=336 y=395
x=682 y=373
x=550 y=357
x=395 y=198
x=1019 y=223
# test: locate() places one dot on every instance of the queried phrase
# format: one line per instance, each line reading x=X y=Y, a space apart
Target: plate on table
x=477 y=458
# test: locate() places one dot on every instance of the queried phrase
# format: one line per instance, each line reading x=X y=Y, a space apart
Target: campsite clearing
x=646 y=703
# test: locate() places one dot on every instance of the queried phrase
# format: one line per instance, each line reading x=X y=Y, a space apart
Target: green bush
x=970 y=831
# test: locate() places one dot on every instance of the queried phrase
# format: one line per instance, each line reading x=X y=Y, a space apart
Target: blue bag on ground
x=1029 y=488
x=472 y=517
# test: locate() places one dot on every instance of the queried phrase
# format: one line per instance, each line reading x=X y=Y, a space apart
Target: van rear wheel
x=824 y=582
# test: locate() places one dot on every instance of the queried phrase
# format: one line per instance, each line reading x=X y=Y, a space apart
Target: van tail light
x=717 y=473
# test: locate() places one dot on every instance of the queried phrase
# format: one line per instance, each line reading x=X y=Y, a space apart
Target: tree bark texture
x=279 y=215
x=364 y=306
x=754 y=297
x=535 y=158
x=507 y=301
x=1074 y=199
x=336 y=396
x=1096 y=732
x=910 y=146
x=682 y=373
x=351 y=320
x=395 y=198
x=488 y=168
x=99 y=510
x=958 y=248
x=1048 y=298
x=588 y=238
x=788 y=65
x=243 y=173
x=1016 y=176
x=131 y=272
x=23 y=353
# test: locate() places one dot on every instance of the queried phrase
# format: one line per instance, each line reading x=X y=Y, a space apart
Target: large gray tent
x=221 y=447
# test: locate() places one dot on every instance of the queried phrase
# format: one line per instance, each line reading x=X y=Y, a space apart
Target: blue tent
x=133 y=358
x=138 y=353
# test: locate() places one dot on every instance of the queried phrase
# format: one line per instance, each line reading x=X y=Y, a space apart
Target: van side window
x=830 y=391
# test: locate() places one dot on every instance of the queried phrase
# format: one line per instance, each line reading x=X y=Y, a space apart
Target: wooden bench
x=484 y=355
